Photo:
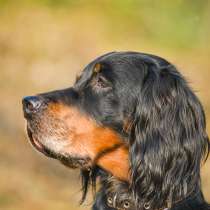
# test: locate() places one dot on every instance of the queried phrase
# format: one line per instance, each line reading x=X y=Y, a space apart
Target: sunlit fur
x=167 y=137
x=146 y=102
x=167 y=141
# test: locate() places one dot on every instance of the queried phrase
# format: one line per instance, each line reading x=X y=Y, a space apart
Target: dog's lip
x=34 y=142
x=38 y=145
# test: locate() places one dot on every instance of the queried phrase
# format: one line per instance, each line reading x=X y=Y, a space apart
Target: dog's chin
x=66 y=159
x=39 y=146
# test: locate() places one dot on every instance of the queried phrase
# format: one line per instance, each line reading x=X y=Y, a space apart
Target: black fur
x=168 y=136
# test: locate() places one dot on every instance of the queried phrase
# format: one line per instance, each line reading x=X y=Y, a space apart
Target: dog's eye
x=101 y=82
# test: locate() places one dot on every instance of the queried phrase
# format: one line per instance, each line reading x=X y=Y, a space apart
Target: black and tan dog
x=131 y=121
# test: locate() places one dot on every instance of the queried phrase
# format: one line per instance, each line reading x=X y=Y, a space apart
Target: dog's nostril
x=31 y=104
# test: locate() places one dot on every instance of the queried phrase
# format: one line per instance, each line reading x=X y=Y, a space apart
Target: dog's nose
x=31 y=104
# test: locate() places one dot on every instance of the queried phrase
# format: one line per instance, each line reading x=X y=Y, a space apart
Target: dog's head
x=128 y=100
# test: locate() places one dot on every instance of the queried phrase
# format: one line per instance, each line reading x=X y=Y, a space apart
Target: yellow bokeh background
x=45 y=43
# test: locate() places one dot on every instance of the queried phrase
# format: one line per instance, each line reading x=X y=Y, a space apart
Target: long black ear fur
x=168 y=139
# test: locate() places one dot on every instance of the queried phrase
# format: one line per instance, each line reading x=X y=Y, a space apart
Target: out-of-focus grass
x=44 y=43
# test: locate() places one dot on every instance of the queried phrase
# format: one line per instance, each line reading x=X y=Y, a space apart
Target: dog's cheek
x=88 y=139
x=106 y=149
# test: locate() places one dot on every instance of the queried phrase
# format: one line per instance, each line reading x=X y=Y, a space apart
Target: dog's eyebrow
x=97 y=68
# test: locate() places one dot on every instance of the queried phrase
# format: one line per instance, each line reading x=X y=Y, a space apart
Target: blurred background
x=45 y=43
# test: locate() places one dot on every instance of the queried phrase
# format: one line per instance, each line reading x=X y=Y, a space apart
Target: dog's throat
x=76 y=162
x=115 y=161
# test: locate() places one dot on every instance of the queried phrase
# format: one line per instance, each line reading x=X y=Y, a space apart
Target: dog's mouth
x=38 y=145
x=67 y=160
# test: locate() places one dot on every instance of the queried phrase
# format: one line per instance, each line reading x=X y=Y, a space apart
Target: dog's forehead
x=111 y=61
x=119 y=63
x=116 y=60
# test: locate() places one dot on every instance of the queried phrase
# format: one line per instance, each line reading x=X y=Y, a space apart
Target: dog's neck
x=116 y=194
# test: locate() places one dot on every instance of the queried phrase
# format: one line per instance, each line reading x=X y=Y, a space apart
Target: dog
x=132 y=123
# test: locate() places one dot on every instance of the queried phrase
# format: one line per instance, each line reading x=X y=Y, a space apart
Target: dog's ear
x=168 y=139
